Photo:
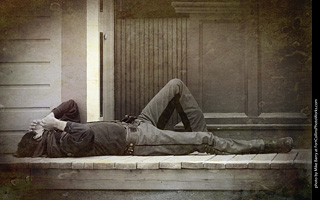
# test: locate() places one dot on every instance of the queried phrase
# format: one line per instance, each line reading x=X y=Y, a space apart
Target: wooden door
x=223 y=64
x=30 y=66
x=243 y=70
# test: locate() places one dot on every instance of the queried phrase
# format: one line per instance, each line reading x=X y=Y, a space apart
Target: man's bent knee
x=175 y=82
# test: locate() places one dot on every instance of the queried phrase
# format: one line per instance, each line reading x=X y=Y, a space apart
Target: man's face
x=27 y=145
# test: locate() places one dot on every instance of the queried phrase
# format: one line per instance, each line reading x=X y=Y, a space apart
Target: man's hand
x=35 y=125
x=38 y=136
x=49 y=122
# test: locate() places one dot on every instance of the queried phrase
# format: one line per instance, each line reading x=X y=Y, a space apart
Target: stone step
x=190 y=172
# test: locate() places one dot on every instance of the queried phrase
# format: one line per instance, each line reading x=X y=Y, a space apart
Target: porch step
x=190 y=172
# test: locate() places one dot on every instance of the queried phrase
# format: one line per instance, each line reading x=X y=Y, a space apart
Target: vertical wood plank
x=142 y=64
x=174 y=48
x=156 y=71
x=161 y=74
x=138 y=67
x=184 y=49
x=151 y=57
x=117 y=68
x=146 y=66
x=170 y=49
x=132 y=68
x=175 y=70
x=127 y=66
x=165 y=51
x=179 y=48
x=123 y=68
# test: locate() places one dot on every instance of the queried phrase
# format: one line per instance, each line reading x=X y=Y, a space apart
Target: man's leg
x=153 y=141
x=67 y=111
x=231 y=146
x=174 y=95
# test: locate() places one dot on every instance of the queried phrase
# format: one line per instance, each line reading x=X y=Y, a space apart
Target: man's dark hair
x=27 y=145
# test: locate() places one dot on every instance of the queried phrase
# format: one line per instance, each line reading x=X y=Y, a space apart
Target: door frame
x=100 y=60
x=106 y=29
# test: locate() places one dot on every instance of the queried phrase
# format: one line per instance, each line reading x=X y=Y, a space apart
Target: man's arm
x=50 y=122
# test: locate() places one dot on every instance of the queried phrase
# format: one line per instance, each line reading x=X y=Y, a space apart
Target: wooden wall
x=148 y=53
x=30 y=66
x=248 y=63
x=42 y=62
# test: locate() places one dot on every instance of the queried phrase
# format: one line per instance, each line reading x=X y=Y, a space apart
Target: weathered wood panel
x=30 y=66
x=149 y=52
x=250 y=68
x=222 y=64
x=261 y=161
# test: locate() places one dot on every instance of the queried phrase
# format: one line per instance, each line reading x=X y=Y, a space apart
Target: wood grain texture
x=30 y=67
x=261 y=161
x=148 y=53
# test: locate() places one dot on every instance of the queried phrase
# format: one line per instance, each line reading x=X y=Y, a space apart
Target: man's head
x=27 y=145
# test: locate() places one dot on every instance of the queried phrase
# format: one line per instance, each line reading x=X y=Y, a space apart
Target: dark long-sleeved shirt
x=110 y=138
x=89 y=139
x=94 y=139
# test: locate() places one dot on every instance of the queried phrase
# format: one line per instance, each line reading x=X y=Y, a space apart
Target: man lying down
x=60 y=134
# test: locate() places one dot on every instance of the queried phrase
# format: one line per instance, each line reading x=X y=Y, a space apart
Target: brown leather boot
x=282 y=145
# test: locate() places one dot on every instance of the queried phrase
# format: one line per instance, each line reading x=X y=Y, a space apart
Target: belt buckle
x=130 y=149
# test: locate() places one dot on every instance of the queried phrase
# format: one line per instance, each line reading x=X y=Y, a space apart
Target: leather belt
x=132 y=136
